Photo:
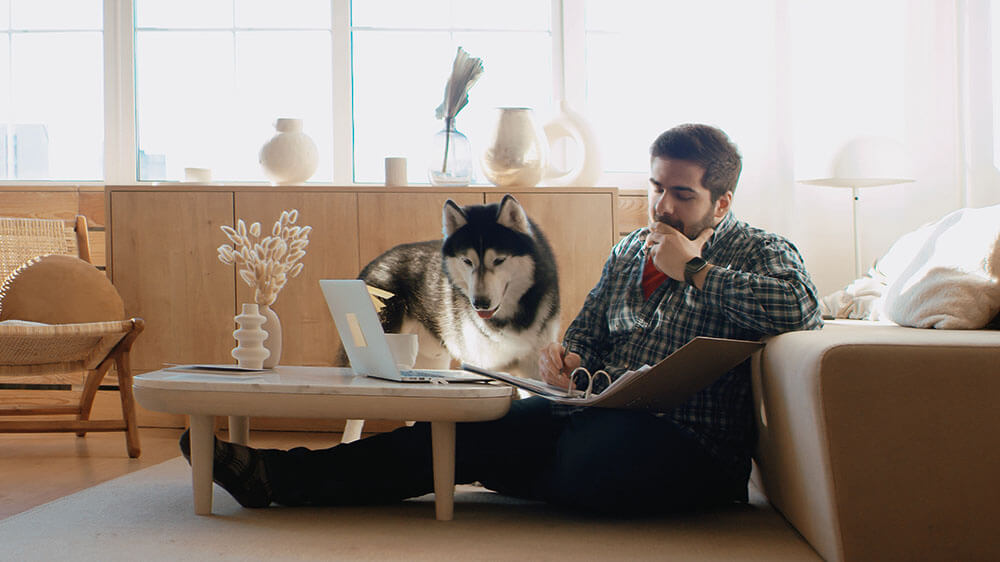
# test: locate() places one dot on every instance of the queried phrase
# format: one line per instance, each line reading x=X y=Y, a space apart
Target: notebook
x=364 y=341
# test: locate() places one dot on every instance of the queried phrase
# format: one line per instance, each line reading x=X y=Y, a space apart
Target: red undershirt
x=651 y=278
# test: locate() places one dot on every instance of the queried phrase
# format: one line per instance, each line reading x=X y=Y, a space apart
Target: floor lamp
x=864 y=162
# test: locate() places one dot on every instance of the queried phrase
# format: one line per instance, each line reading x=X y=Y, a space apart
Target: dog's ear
x=452 y=218
x=512 y=215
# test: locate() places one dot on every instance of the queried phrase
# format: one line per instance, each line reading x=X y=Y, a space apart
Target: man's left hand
x=670 y=249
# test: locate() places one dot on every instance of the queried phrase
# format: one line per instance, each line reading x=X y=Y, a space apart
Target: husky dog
x=488 y=294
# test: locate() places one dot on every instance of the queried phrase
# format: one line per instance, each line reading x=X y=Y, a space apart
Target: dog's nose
x=481 y=304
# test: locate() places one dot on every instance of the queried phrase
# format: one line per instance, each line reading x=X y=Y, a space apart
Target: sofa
x=880 y=442
x=878 y=434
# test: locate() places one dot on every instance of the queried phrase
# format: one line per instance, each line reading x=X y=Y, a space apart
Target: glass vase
x=451 y=157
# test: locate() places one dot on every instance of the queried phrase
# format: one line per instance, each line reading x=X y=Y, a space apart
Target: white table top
x=312 y=380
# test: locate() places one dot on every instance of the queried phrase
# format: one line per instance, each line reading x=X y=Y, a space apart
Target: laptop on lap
x=364 y=341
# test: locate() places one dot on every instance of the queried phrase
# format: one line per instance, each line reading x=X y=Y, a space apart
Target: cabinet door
x=580 y=228
x=633 y=213
x=388 y=219
x=308 y=333
x=164 y=265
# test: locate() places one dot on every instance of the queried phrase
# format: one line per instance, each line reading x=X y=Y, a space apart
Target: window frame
x=569 y=81
x=121 y=150
x=120 y=137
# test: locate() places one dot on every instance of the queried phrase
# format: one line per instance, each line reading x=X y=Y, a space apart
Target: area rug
x=148 y=515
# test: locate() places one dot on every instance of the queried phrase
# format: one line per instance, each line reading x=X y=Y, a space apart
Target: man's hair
x=707 y=147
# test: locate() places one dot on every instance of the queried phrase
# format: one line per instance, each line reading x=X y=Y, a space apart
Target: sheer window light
x=212 y=77
x=51 y=131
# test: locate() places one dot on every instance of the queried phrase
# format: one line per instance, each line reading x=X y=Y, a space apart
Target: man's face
x=677 y=197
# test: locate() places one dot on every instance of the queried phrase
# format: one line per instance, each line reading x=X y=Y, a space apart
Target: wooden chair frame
x=29 y=350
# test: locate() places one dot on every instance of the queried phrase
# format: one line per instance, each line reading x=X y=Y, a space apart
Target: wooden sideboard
x=162 y=243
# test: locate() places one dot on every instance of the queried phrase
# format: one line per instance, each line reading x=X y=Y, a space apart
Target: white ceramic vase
x=518 y=152
x=273 y=342
x=290 y=157
x=581 y=149
x=250 y=352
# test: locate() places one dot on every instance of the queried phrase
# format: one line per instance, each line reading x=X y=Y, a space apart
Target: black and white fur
x=487 y=294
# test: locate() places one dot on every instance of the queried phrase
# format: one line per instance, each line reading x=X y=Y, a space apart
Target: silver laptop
x=364 y=341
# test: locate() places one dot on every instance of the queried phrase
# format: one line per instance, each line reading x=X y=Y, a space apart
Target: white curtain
x=791 y=81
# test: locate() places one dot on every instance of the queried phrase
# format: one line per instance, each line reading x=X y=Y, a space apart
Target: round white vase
x=273 y=342
x=518 y=152
x=290 y=157
x=250 y=352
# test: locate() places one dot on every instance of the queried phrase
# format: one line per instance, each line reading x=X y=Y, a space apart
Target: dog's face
x=488 y=255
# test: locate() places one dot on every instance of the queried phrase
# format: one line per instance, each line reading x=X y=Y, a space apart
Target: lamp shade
x=866 y=162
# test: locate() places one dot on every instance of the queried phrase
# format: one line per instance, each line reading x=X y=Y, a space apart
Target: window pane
x=184 y=85
x=6 y=172
x=56 y=131
x=56 y=14
x=517 y=15
x=396 y=89
x=400 y=76
x=282 y=74
x=4 y=15
x=184 y=14
x=284 y=14
x=426 y=14
x=208 y=99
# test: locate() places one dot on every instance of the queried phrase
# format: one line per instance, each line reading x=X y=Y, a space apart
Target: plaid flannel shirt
x=759 y=287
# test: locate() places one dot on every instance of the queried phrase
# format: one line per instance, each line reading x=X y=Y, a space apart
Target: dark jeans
x=596 y=459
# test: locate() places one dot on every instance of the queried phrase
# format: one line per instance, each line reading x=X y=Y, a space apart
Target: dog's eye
x=499 y=261
x=467 y=262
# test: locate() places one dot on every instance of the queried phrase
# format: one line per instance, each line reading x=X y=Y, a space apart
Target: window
x=213 y=75
x=51 y=90
x=402 y=55
x=150 y=87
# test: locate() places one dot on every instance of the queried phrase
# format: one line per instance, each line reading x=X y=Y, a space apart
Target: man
x=696 y=271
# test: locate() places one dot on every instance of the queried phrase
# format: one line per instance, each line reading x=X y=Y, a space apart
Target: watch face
x=694 y=265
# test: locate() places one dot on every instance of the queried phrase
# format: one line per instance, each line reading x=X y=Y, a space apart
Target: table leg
x=352 y=430
x=202 y=452
x=239 y=430
x=443 y=449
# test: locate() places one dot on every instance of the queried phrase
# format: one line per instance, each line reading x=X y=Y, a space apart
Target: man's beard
x=695 y=229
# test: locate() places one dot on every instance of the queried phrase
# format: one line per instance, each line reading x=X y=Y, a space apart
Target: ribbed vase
x=250 y=352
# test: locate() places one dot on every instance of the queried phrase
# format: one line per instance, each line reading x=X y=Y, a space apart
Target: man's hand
x=555 y=365
x=670 y=249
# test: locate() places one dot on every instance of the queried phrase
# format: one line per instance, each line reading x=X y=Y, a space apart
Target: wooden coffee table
x=317 y=392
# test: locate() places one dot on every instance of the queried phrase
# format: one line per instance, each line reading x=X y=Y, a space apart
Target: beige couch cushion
x=878 y=442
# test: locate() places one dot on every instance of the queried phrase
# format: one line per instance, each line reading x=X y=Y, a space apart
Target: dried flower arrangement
x=266 y=263
x=465 y=71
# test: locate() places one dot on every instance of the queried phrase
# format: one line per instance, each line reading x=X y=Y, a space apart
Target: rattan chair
x=22 y=239
x=29 y=349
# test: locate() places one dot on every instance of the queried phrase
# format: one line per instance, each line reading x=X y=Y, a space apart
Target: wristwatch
x=694 y=265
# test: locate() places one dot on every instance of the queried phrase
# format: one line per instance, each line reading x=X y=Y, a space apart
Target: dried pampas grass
x=266 y=264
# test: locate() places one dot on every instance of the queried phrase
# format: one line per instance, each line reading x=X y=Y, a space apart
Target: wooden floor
x=38 y=468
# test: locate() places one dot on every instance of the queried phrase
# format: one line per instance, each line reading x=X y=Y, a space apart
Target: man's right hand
x=555 y=365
